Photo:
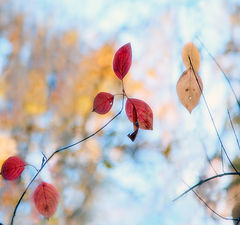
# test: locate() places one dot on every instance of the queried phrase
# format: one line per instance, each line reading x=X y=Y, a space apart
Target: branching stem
x=61 y=149
x=204 y=181
x=210 y=114
x=224 y=74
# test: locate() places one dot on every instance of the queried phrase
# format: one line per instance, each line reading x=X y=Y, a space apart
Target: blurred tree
x=48 y=80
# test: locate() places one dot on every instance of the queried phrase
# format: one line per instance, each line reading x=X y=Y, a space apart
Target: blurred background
x=56 y=55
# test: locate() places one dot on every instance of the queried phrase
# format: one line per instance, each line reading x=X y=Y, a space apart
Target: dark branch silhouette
x=61 y=149
x=204 y=181
x=210 y=114
x=224 y=74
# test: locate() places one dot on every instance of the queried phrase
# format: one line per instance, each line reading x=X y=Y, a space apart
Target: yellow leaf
x=188 y=89
x=190 y=50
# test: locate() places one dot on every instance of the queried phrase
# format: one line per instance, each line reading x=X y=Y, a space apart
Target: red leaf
x=12 y=168
x=122 y=61
x=46 y=199
x=103 y=102
x=133 y=135
x=144 y=113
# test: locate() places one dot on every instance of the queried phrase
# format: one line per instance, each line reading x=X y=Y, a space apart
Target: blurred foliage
x=46 y=88
x=48 y=81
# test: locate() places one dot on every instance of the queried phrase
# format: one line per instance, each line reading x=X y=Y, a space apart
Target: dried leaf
x=12 y=168
x=192 y=52
x=144 y=113
x=133 y=135
x=122 y=61
x=188 y=89
x=46 y=199
x=103 y=102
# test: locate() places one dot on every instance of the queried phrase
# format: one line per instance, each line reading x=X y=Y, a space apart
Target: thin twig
x=205 y=203
x=208 y=159
x=204 y=181
x=32 y=166
x=222 y=163
x=224 y=74
x=210 y=114
x=62 y=149
x=238 y=220
x=229 y=116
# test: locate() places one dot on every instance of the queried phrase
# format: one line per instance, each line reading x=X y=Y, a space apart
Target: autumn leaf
x=133 y=135
x=122 y=61
x=192 y=52
x=46 y=199
x=144 y=113
x=12 y=168
x=189 y=89
x=103 y=102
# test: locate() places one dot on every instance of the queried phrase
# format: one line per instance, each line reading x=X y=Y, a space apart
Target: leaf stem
x=32 y=166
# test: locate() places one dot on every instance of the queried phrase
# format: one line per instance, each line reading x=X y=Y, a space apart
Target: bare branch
x=224 y=74
x=210 y=114
x=63 y=149
x=204 y=181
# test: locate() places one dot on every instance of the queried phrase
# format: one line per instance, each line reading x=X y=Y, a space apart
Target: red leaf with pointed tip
x=46 y=199
x=12 y=168
x=122 y=61
x=133 y=135
x=103 y=102
x=144 y=113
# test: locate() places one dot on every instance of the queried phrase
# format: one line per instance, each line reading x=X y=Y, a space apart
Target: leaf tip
x=122 y=60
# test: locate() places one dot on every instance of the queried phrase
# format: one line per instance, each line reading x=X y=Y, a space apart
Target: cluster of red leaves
x=45 y=196
x=138 y=112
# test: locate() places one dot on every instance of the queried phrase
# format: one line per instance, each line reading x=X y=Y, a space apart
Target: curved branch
x=233 y=129
x=204 y=181
x=62 y=149
x=212 y=210
x=211 y=117
x=220 y=68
